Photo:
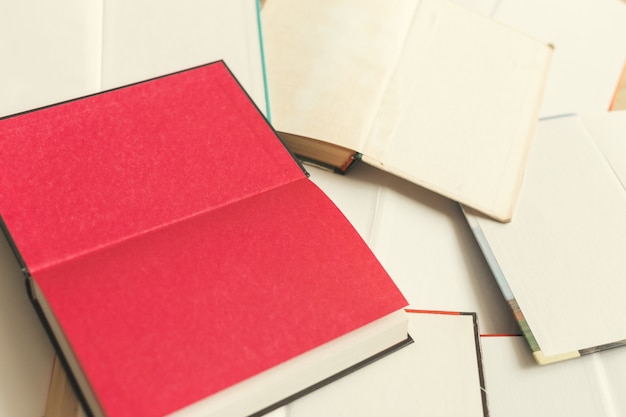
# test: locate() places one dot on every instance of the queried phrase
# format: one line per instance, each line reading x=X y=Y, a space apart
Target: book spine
x=42 y=317
x=16 y=252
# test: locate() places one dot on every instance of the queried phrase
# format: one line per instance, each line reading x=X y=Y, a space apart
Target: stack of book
x=236 y=208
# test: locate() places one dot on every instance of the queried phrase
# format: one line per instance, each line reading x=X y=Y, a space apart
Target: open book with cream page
x=426 y=90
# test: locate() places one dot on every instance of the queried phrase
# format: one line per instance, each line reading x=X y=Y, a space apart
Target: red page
x=93 y=171
x=179 y=245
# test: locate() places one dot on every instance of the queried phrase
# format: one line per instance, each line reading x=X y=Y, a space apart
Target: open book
x=66 y=49
x=180 y=258
x=426 y=90
x=560 y=262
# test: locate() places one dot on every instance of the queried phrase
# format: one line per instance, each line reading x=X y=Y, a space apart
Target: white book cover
x=58 y=51
x=589 y=49
x=560 y=263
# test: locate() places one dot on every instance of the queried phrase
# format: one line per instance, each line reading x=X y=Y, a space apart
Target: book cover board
x=181 y=257
x=441 y=374
x=559 y=263
x=72 y=48
x=429 y=91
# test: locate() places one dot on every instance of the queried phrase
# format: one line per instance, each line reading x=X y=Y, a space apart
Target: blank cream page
x=328 y=62
x=458 y=116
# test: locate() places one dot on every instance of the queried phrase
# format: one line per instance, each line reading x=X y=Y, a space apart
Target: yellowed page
x=459 y=114
x=328 y=62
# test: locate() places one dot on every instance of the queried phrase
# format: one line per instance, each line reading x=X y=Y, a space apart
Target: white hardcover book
x=55 y=52
x=589 y=49
x=592 y=386
x=560 y=263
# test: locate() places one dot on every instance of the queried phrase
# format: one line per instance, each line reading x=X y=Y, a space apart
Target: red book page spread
x=90 y=172
x=177 y=242
x=258 y=282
